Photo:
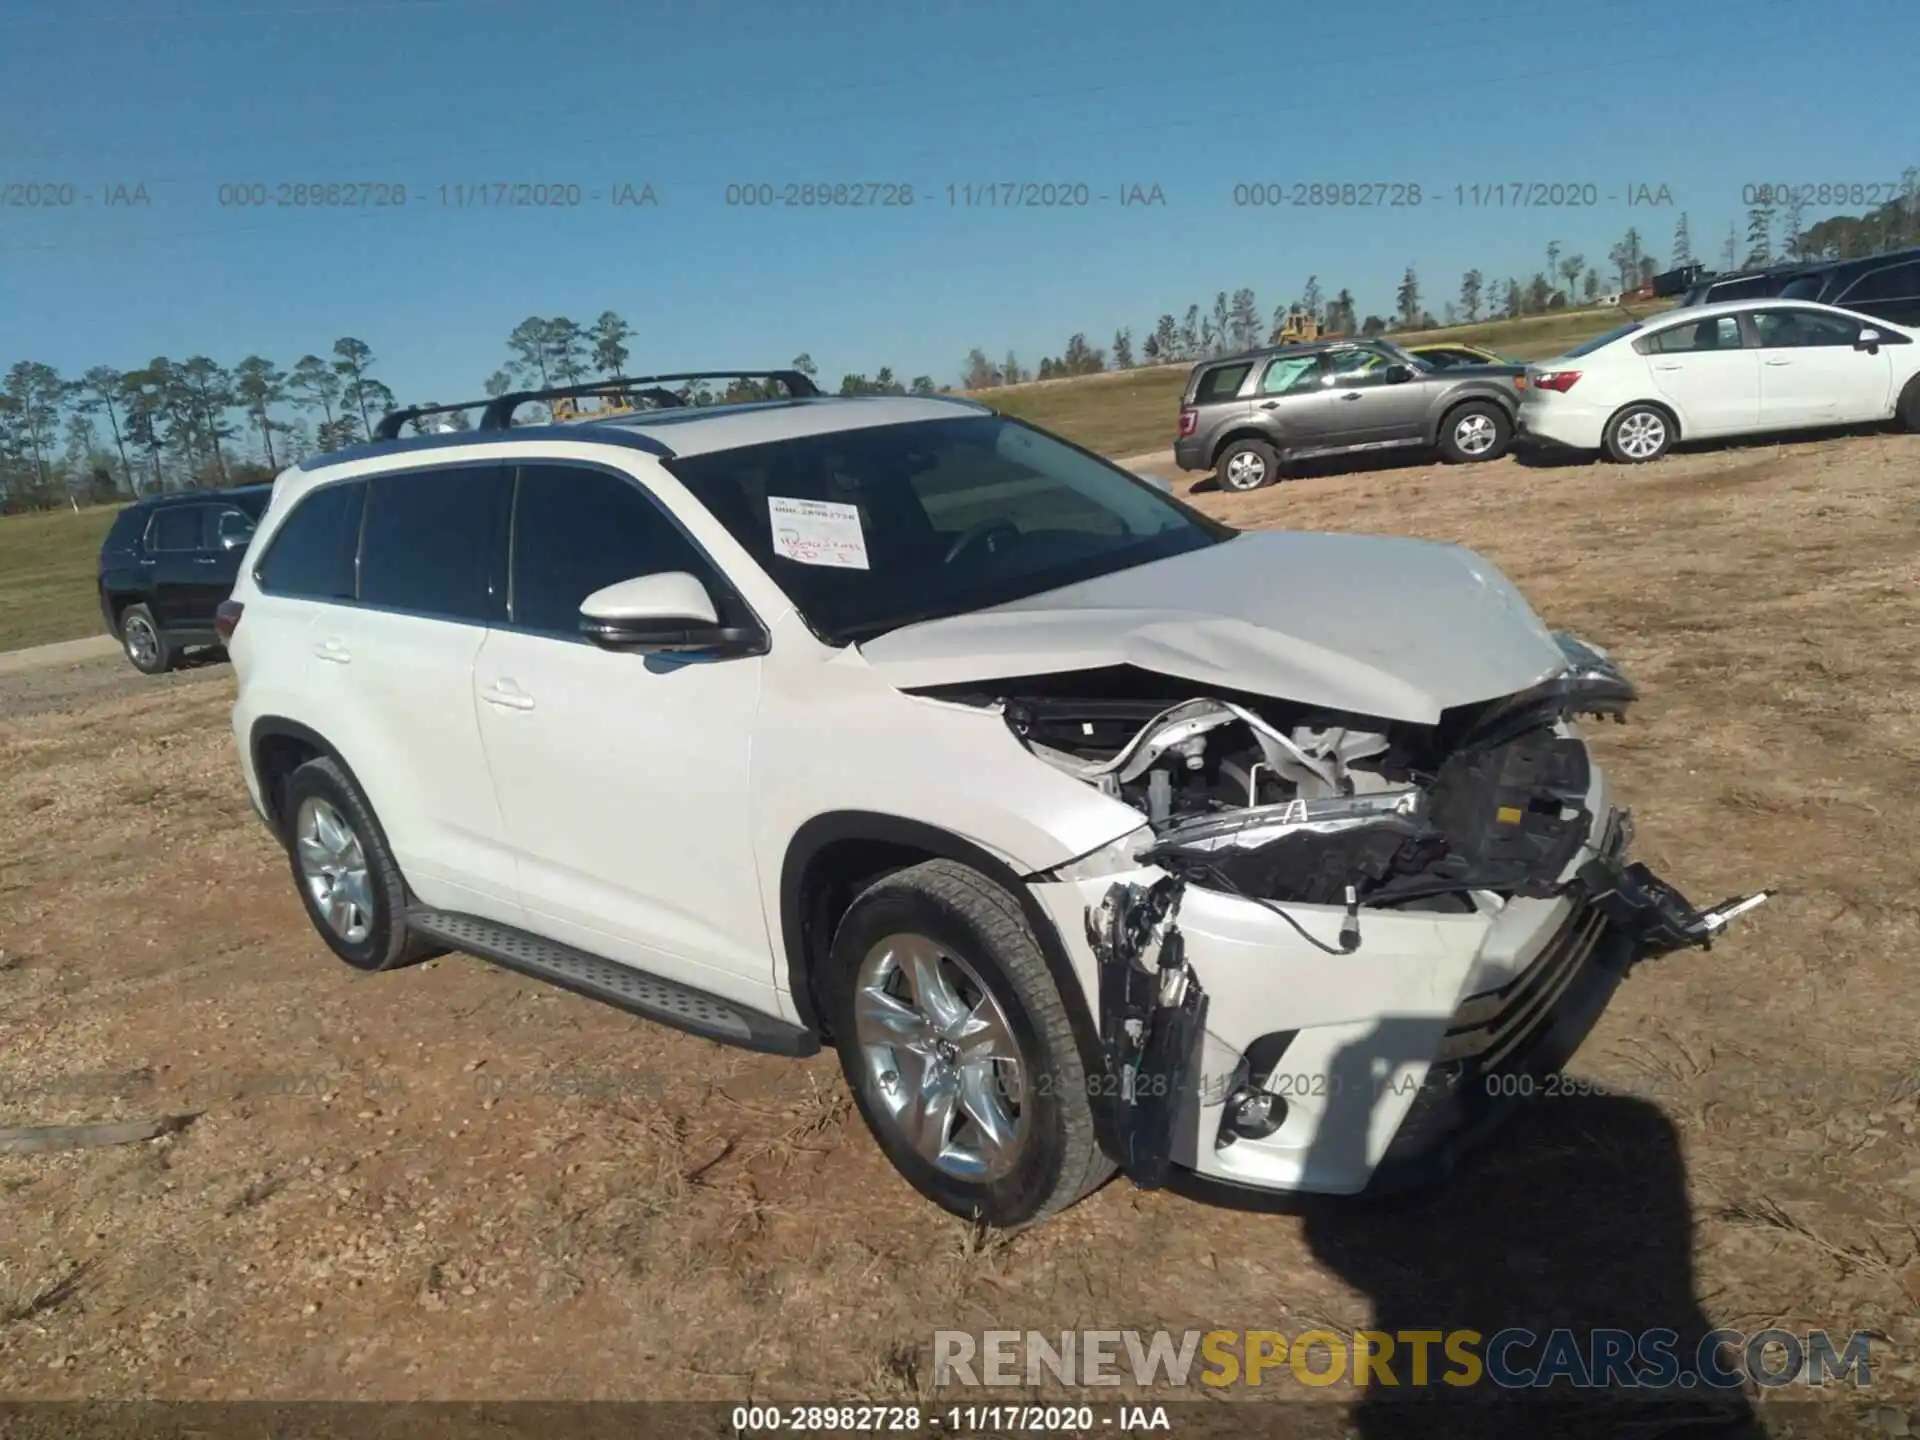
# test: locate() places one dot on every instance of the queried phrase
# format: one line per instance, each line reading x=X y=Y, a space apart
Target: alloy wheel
x=942 y=1065
x=1245 y=471
x=1641 y=435
x=1475 y=434
x=333 y=866
x=143 y=646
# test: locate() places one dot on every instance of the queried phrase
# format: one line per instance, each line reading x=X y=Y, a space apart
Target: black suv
x=166 y=565
x=1886 y=287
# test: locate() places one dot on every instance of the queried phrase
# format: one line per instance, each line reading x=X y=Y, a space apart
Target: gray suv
x=1244 y=416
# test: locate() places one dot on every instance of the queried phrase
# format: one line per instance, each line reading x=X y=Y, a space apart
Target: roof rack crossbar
x=497 y=410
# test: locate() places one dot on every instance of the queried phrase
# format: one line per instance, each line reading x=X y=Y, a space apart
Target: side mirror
x=660 y=614
x=235 y=542
x=1868 y=340
x=1399 y=374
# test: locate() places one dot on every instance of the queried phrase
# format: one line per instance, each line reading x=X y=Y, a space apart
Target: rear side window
x=577 y=530
x=175 y=528
x=1720 y=333
x=1221 y=383
x=434 y=541
x=311 y=556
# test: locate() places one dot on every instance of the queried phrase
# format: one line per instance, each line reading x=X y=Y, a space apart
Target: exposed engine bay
x=1276 y=802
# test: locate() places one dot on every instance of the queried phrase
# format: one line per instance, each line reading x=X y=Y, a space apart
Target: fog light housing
x=1251 y=1113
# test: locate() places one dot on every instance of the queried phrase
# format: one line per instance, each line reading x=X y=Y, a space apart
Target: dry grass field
x=453 y=1182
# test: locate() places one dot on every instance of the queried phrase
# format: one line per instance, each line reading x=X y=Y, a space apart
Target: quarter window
x=1222 y=383
x=577 y=530
x=311 y=555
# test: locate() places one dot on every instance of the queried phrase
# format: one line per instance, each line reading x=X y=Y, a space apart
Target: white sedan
x=1738 y=368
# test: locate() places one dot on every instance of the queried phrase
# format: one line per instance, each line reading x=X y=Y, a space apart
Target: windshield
x=867 y=530
x=1599 y=340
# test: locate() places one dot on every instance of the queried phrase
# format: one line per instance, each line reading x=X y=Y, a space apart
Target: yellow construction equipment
x=1300 y=327
x=568 y=407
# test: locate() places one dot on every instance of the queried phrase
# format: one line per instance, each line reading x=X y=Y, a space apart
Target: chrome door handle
x=1351 y=395
x=334 y=649
x=206 y=559
x=508 y=696
x=1270 y=405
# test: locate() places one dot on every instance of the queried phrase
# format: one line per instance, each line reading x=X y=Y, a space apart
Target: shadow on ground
x=1573 y=1215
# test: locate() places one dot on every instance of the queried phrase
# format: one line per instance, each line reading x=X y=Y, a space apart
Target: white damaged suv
x=1092 y=833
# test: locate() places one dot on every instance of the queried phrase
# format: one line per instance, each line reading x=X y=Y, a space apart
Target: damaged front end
x=1302 y=814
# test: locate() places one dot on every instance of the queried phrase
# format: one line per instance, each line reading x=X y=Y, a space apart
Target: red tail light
x=226 y=620
x=1189 y=421
x=1561 y=380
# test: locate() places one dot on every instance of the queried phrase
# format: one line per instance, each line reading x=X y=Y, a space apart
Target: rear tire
x=345 y=873
x=1638 y=434
x=934 y=973
x=1247 y=465
x=148 y=649
x=1907 y=412
x=1475 y=432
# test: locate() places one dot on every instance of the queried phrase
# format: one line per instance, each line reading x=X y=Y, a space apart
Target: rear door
x=1707 y=372
x=1811 y=373
x=1289 y=400
x=393 y=675
x=171 y=559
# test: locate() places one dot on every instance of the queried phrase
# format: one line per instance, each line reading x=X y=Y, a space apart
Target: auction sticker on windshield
x=818 y=532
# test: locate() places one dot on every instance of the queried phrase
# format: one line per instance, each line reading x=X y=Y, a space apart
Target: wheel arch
x=833 y=852
x=1451 y=404
x=276 y=746
x=1236 y=435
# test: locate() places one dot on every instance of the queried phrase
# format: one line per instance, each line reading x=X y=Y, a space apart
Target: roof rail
x=498 y=411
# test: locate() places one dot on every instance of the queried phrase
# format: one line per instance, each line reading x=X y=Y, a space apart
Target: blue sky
x=182 y=96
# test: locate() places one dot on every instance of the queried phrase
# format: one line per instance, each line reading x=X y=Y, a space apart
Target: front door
x=622 y=778
x=1811 y=374
x=171 y=559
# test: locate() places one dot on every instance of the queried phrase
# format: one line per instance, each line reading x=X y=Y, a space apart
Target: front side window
x=310 y=556
x=434 y=542
x=227 y=528
x=174 y=529
x=577 y=530
x=1358 y=366
x=1793 y=329
x=871 y=529
x=1895 y=282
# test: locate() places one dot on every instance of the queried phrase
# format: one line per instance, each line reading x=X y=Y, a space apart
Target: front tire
x=1638 y=434
x=148 y=649
x=1474 y=433
x=1248 y=465
x=344 y=871
x=958 y=1047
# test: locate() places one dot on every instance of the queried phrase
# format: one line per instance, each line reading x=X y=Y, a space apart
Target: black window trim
x=717 y=573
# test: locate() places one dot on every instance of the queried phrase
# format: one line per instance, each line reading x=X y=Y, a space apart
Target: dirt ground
x=454 y=1182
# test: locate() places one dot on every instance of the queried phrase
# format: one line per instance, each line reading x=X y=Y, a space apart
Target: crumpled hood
x=1376 y=625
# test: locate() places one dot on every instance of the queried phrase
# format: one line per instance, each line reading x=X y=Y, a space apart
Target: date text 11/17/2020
x=1411 y=194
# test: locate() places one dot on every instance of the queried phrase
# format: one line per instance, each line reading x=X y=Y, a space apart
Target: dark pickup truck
x=166 y=565
x=1245 y=416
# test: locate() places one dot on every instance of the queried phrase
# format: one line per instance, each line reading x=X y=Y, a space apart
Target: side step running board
x=611 y=983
